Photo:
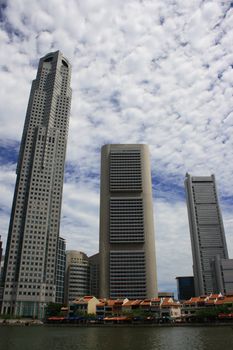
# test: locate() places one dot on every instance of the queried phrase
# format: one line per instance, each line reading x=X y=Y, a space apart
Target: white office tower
x=127 y=244
x=206 y=229
x=29 y=279
x=77 y=280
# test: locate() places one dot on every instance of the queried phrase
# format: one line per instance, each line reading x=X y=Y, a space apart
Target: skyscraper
x=94 y=274
x=77 y=282
x=0 y=252
x=60 y=270
x=206 y=229
x=185 y=287
x=222 y=271
x=127 y=245
x=29 y=277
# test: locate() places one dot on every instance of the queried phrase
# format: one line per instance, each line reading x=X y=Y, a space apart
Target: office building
x=127 y=244
x=60 y=270
x=77 y=279
x=185 y=287
x=0 y=254
x=1 y=270
x=94 y=274
x=29 y=276
x=206 y=229
x=222 y=273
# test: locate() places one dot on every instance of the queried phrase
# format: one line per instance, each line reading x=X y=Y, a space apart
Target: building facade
x=185 y=287
x=206 y=229
x=1 y=270
x=60 y=270
x=127 y=244
x=29 y=277
x=0 y=258
x=94 y=274
x=77 y=280
x=222 y=273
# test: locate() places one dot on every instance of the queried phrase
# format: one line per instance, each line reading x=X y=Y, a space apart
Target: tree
x=211 y=313
x=53 y=309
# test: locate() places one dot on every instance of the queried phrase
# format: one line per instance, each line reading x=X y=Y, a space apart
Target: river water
x=115 y=338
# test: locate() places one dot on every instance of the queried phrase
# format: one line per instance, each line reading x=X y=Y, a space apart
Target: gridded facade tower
x=60 y=270
x=127 y=246
x=29 y=270
x=94 y=274
x=206 y=229
x=77 y=282
x=0 y=254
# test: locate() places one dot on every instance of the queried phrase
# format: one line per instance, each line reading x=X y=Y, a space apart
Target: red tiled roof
x=145 y=302
x=155 y=300
x=113 y=302
x=214 y=296
x=83 y=300
x=168 y=302
x=88 y=297
x=119 y=302
x=224 y=300
x=195 y=300
x=101 y=304
x=132 y=302
x=210 y=302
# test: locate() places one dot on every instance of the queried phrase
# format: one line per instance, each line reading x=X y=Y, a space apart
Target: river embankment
x=30 y=322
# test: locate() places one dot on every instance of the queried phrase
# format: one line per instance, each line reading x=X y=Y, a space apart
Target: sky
x=158 y=72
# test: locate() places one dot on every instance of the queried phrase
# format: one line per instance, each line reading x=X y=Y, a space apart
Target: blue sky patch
x=9 y=153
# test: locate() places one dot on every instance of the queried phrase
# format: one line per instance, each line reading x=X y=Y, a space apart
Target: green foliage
x=10 y=317
x=212 y=312
x=90 y=316
x=53 y=309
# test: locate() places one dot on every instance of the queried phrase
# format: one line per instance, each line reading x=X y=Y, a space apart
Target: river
x=115 y=338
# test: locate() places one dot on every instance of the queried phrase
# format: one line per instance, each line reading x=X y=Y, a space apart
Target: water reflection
x=116 y=338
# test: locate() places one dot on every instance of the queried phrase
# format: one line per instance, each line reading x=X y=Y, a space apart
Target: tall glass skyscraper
x=29 y=277
x=206 y=229
x=127 y=244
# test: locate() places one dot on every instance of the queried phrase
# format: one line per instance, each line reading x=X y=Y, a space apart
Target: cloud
x=157 y=72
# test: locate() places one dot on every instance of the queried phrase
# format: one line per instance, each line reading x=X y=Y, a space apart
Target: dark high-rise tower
x=206 y=229
x=0 y=252
x=29 y=277
x=60 y=271
x=127 y=245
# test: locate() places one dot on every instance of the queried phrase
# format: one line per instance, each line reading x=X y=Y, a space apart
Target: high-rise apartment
x=94 y=274
x=222 y=271
x=206 y=229
x=60 y=270
x=77 y=281
x=0 y=251
x=29 y=277
x=127 y=244
x=185 y=287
